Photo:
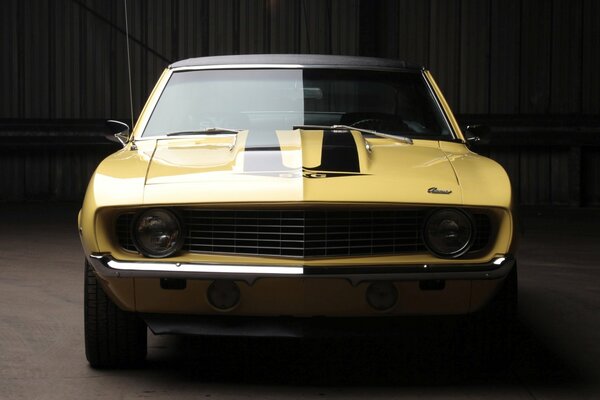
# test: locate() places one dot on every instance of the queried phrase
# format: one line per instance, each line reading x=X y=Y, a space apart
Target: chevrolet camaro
x=292 y=195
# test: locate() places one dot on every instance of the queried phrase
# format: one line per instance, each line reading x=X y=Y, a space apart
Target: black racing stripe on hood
x=339 y=152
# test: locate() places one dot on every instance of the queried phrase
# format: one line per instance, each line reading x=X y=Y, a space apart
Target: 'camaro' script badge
x=435 y=190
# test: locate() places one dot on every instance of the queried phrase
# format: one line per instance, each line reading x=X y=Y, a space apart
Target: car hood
x=316 y=166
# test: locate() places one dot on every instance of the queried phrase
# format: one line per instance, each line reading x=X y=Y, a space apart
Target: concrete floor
x=41 y=331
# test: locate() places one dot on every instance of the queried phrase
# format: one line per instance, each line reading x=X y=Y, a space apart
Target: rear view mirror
x=119 y=132
x=313 y=93
x=477 y=134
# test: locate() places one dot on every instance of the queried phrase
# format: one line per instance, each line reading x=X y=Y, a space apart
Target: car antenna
x=128 y=63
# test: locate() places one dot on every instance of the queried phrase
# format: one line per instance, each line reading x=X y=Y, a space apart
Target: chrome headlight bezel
x=177 y=226
x=463 y=219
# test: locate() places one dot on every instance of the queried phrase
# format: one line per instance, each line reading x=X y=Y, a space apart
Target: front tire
x=113 y=337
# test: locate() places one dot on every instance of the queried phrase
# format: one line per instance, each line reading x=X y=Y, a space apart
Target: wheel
x=113 y=338
x=491 y=331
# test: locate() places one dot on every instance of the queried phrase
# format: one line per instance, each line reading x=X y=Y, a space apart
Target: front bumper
x=300 y=290
x=109 y=267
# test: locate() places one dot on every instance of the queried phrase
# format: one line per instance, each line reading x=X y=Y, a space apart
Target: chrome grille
x=304 y=233
x=309 y=232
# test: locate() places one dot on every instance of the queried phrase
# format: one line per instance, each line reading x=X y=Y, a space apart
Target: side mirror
x=119 y=132
x=477 y=134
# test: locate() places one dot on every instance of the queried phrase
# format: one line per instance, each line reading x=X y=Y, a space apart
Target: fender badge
x=435 y=190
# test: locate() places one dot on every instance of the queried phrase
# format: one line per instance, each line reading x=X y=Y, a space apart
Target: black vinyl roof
x=308 y=60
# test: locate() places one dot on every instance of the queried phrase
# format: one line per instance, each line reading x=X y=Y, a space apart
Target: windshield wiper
x=207 y=131
x=402 y=139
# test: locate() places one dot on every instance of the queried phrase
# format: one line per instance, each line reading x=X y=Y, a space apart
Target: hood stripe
x=339 y=153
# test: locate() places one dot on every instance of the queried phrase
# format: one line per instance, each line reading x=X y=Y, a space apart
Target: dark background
x=527 y=68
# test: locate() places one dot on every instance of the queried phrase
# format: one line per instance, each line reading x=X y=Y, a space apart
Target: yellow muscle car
x=291 y=195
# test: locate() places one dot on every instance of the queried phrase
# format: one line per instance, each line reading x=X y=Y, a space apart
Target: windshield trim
x=295 y=66
x=438 y=103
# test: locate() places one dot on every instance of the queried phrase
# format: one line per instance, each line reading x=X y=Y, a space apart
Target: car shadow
x=428 y=353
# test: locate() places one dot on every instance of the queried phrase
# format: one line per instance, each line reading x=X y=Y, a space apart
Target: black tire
x=113 y=338
x=490 y=332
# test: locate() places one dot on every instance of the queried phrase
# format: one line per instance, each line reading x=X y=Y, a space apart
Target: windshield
x=263 y=101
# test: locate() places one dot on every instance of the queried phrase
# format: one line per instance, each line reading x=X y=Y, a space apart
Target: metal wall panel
x=224 y=27
x=254 y=27
x=344 y=20
x=565 y=84
x=67 y=58
x=533 y=176
x=49 y=164
x=285 y=26
x=474 y=57
x=9 y=62
x=95 y=45
x=590 y=169
x=444 y=47
x=590 y=58
x=505 y=29
x=192 y=28
x=536 y=41
x=390 y=22
x=67 y=63
x=413 y=31
x=539 y=175
x=315 y=27
x=33 y=19
x=511 y=161
x=12 y=182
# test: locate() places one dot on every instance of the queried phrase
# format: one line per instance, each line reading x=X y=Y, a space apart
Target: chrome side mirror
x=120 y=132
x=479 y=134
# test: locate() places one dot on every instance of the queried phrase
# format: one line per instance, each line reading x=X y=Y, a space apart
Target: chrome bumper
x=108 y=266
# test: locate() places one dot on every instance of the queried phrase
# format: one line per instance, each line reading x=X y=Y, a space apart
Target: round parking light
x=223 y=295
x=382 y=296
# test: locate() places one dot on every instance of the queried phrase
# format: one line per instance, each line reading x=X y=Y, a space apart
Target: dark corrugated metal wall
x=66 y=59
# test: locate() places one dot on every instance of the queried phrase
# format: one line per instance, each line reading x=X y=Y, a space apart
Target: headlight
x=157 y=233
x=448 y=232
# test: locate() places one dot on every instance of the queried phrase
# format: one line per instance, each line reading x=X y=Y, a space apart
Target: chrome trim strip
x=438 y=103
x=294 y=66
x=499 y=261
x=205 y=268
x=238 y=66
x=106 y=265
